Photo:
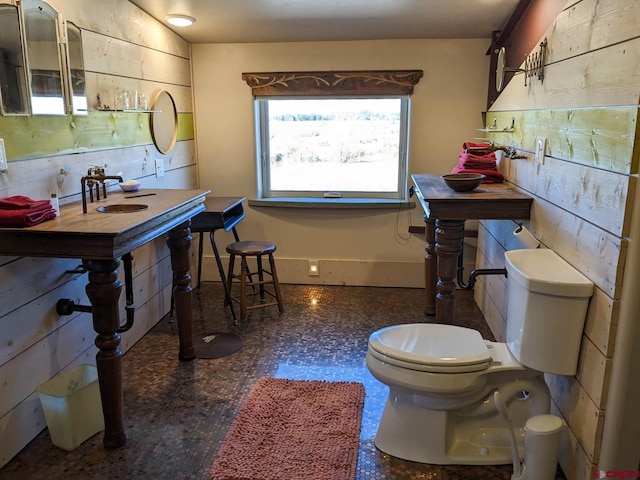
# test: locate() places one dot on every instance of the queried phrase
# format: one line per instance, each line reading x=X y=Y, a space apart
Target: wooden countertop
x=488 y=201
x=97 y=235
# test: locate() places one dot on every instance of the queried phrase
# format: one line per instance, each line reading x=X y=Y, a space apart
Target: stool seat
x=253 y=248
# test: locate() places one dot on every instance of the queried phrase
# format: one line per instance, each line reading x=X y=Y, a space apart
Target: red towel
x=477 y=148
x=468 y=160
x=21 y=211
x=491 y=176
x=19 y=202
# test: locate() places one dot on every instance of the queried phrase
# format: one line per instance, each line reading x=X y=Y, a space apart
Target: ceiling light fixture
x=180 y=20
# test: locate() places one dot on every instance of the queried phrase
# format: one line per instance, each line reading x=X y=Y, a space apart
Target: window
x=333 y=147
x=333 y=134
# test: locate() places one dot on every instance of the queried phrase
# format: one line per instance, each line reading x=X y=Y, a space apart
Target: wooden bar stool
x=257 y=250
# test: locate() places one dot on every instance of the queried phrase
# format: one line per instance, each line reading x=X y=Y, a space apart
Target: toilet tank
x=547 y=302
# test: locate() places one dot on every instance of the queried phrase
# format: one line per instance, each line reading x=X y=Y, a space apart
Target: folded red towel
x=477 y=148
x=492 y=176
x=20 y=202
x=26 y=217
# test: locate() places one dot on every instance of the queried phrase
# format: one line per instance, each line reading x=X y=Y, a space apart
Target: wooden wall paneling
x=603 y=137
x=107 y=86
x=594 y=252
x=117 y=57
x=43 y=136
x=43 y=360
x=19 y=427
x=594 y=373
x=37 y=319
x=121 y=19
x=586 y=26
x=603 y=77
x=571 y=456
x=29 y=278
x=36 y=177
x=602 y=321
x=597 y=196
x=581 y=414
x=147 y=316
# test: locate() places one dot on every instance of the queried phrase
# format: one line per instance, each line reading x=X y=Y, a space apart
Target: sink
x=122 y=208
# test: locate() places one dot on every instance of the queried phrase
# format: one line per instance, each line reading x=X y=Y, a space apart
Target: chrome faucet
x=95 y=178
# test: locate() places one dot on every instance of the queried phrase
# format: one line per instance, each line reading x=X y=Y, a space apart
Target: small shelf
x=130 y=111
x=493 y=130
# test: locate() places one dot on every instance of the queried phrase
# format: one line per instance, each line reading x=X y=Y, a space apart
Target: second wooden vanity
x=445 y=213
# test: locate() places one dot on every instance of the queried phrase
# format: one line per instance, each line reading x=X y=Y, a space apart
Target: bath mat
x=293 y=430
x=216 y=345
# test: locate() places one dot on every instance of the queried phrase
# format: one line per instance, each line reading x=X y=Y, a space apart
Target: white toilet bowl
x=440 y=406
x=442 y=378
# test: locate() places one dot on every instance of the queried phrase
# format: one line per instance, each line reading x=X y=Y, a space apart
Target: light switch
x=159 y=167
x=541 y=144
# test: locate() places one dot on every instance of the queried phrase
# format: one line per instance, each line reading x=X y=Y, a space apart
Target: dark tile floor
x=177 y=413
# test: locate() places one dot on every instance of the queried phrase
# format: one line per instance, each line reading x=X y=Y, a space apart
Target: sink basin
x=122 y=208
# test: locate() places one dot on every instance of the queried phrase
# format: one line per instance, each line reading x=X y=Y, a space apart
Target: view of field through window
x=334 y=144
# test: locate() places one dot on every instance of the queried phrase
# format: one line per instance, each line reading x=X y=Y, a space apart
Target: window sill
x=303 y=202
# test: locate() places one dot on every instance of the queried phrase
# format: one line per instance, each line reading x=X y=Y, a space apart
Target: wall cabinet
x=42 y=67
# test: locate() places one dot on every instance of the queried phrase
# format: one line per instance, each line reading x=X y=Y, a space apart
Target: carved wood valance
x=364 y=82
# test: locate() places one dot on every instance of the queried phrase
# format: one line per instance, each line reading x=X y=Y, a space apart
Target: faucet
x=93 y=179
x=510 y=152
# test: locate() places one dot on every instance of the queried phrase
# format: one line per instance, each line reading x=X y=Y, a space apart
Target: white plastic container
x=541 y=444
x=72 y=406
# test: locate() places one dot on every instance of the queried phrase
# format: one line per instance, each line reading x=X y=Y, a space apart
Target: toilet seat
x=432 y=348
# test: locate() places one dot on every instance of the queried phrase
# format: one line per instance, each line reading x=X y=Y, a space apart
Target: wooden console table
x=100 y=240
x=445 y=213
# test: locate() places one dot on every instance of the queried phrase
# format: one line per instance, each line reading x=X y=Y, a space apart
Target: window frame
x=263 y=157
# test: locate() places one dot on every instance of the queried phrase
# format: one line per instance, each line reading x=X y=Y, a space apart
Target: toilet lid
x=426 y=344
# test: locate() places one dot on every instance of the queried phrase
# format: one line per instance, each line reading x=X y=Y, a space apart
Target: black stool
x=222 y=213
x=253 y=249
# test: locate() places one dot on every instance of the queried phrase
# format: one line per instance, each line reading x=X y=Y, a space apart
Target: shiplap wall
x=123 y=48
x=587 y=109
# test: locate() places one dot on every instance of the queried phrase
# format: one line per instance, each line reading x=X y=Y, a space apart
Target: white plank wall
x=127 y=50
x=581 y=203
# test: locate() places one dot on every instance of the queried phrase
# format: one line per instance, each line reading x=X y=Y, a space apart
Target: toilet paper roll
x=526 y=238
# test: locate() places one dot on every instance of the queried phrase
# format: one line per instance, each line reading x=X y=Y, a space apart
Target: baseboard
x=335 y=272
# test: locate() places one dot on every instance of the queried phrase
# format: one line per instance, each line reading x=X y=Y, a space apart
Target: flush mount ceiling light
x=180 y=20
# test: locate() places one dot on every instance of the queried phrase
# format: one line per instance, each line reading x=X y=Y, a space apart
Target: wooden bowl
x=463 y=182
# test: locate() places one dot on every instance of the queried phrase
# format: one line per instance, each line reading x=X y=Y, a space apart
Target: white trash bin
x=72 y=406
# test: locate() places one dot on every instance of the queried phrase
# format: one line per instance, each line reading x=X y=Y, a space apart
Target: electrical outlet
x=314 y=268
x=3 y=157
x=159 y=167
x=541 y=144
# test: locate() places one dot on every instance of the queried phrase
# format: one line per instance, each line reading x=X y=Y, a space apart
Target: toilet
x=442 y=378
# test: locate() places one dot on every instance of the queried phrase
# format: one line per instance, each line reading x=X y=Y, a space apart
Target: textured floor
x=177 y=413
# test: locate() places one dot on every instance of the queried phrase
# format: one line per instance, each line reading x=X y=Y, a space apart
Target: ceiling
x=262 y=21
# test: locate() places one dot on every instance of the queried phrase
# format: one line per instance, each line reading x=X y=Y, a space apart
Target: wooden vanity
x=445 y=213
x=100 y=240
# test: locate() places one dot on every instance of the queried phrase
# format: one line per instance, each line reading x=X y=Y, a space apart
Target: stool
x=253 y=249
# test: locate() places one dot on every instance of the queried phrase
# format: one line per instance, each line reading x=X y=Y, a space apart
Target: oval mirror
x=164 y=122
x=502 y=54
x=14 y=90
x=44 y=58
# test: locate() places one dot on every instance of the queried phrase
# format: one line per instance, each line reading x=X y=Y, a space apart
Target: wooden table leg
x=179 y=242
x=449 y=238
x=103 y=291
x=430 y=267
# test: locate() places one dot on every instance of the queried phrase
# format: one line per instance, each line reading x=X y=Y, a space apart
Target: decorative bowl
x=463 y=182
x=130 y=185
